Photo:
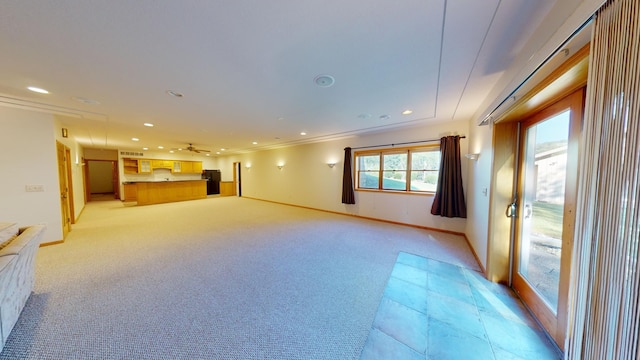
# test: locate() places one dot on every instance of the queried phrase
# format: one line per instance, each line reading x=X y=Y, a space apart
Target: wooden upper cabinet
x=162 y=164
x=144 y=166
x=187 y=167
x=130 y=166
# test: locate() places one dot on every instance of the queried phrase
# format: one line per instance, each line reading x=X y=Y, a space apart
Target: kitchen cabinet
x=187 y=167
x=162 y=164
x=130 y=165
x=144 y=166
x=197 y=167
x=130 y=192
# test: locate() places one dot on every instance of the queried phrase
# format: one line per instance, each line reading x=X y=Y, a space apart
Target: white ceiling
x=247 y=67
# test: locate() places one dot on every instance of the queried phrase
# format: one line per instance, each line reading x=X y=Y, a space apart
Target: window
x=408 y=169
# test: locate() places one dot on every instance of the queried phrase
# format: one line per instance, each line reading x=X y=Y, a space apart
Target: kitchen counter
x=159 y=181
x=157 y=192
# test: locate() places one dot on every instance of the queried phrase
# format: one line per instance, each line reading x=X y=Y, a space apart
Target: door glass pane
x=544 y=169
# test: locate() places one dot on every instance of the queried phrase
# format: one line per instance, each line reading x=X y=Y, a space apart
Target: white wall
x=479 y=190
x=306 y=180
x=28 y=157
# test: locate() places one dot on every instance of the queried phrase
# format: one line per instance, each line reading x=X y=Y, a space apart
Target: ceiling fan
x=192 y=149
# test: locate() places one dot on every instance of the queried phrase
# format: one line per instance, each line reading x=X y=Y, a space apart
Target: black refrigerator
x=213 y=181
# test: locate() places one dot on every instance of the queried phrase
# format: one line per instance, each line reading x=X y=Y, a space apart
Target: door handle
x=512 y=210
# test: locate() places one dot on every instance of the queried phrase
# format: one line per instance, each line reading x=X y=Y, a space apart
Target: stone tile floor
x=435 y=310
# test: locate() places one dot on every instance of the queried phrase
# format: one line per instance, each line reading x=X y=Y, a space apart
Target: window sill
x=398 y=192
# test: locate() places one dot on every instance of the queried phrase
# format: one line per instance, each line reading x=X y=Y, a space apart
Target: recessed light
x=222 y=149
x=148 y=124
x=135 y=139
x=208 y=154
x=145 y=148
x=38 y=90
x=171 y=151
x=324 y=80
x=255 y=143
x=175 y=93
x=384 y=117
x=303 y=133
x=160 y=147
x=179 y=149
x=364 y=116
x=218 y=152
x=407 y=112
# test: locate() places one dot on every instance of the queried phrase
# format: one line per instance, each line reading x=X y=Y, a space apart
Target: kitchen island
x=158 y=192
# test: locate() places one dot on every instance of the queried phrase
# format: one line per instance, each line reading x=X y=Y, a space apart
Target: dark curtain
x=449 y=198
x=348 y=197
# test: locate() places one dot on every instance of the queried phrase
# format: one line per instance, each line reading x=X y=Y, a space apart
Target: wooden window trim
x=390 y=151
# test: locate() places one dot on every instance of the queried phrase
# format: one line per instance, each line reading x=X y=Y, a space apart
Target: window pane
x=394 y=180
x=395 y=161
x=369 y=162
x=424 y=180
x=368 y=179
x=425 y=160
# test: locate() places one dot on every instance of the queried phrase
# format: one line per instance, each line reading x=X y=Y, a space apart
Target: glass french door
x=547 y=179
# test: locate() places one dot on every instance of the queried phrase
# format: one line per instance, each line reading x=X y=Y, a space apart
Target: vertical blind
x=604 y=312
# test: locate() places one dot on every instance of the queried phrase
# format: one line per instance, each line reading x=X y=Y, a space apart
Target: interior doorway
x=546 y=200
x=102 y=180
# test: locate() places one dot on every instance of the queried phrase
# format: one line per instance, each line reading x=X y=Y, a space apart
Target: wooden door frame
x=72 y=211
x=63 y=183
x=555 y=324
x=237 y=179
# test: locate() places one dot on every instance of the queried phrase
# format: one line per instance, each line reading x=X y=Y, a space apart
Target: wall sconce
x=65 y=132
x=331 y=165
x=248 y=166
x=280 y=166
x=472 y=156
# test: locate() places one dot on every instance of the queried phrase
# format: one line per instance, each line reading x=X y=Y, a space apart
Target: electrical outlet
x=34 y=188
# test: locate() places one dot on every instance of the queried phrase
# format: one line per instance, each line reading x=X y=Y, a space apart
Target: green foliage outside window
x=420 y=165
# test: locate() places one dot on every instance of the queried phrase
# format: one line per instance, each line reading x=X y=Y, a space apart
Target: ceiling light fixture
x=384 y=117
x=175 y=93
x=324 y=80
x=38 y=90
x=135 y=139
x=160 y=147
x=222 y=149
x=255 y=143
x=148 y=124
x=145 y=148
x=303 y=133
x=407 y=112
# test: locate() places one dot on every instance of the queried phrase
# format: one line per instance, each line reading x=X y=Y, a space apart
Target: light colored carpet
x=219 y=278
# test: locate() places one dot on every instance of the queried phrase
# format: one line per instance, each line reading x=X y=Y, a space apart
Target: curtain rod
x=404 y=143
